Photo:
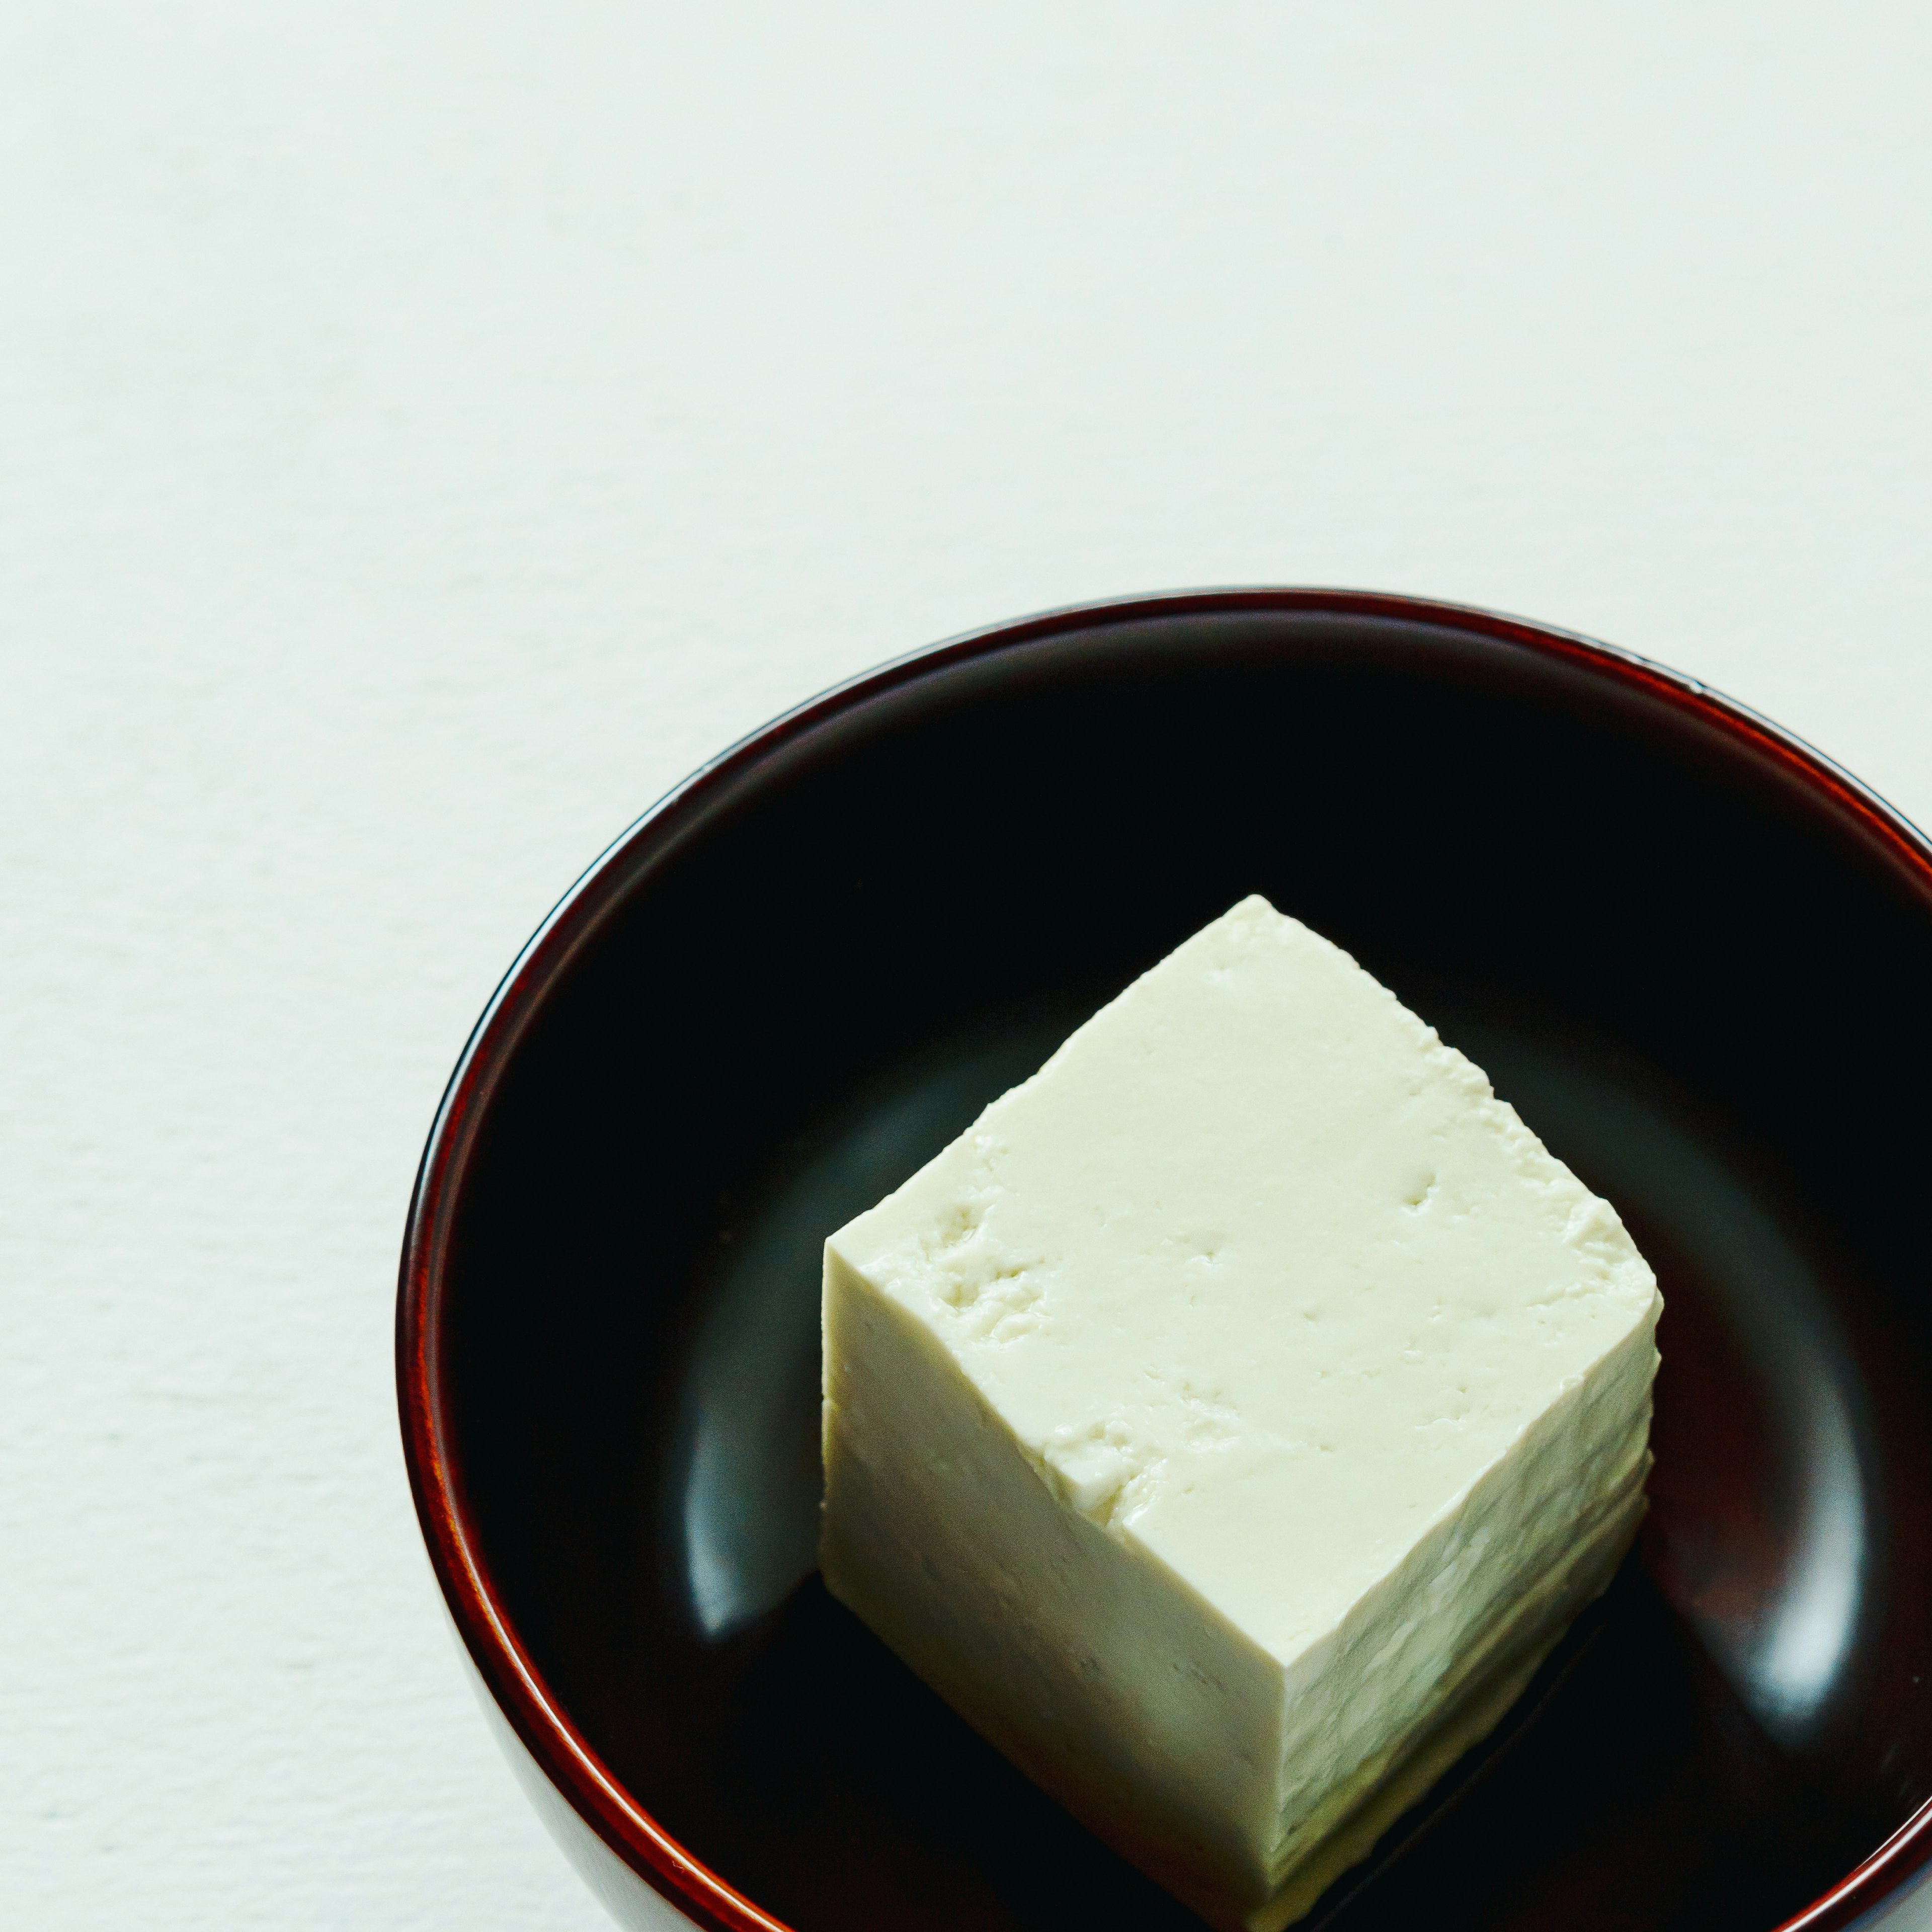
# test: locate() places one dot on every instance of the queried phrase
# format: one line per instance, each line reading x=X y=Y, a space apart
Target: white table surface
x=427 y=429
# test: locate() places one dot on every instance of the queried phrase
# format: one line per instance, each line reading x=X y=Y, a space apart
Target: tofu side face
x=1270 y=1295
x=1111 y=1685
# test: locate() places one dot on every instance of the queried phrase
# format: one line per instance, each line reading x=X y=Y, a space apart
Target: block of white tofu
x=1230 y=1421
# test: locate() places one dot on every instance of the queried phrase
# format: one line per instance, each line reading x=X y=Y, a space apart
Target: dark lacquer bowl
x=1696 y=957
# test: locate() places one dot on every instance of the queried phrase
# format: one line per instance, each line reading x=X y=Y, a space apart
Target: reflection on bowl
x=1692 y=955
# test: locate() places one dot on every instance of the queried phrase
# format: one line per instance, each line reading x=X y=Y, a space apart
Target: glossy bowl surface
x=1693 y=954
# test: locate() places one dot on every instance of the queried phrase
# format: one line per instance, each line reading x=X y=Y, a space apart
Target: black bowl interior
x=1705 y=988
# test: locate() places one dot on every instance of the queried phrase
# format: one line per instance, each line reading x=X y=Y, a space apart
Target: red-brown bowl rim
x=462 y=1567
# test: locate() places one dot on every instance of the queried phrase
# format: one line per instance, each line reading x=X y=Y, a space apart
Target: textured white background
x=428 y=427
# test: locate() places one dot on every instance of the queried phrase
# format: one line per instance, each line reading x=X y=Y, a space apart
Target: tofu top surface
x=1259 y=1272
